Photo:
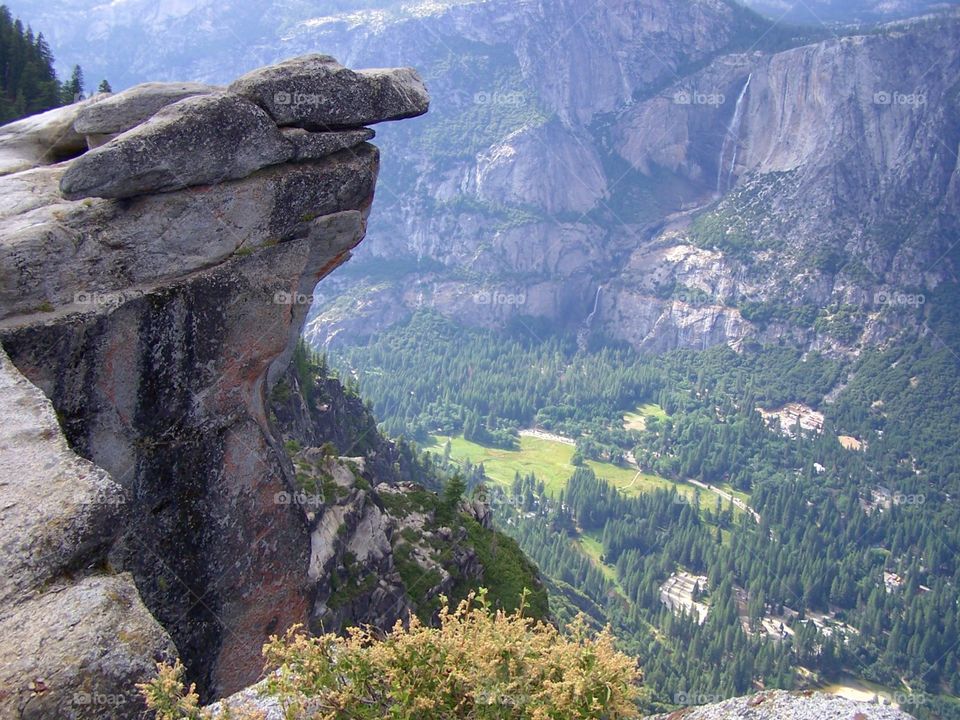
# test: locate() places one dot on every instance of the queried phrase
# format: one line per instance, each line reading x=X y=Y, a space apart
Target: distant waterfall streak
x=596 y=305
x=731 y=139
x=584 y=332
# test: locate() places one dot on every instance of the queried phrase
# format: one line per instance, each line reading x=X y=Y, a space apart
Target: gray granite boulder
x=42 y=139
x=197 y=141
x=318 y=93
x=122 y=111
x=76 y=638
x=783 y=705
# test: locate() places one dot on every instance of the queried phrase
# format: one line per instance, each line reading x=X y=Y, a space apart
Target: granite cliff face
x=157 y=321
x=745 y=192
x=828 y=150
x=76 y=633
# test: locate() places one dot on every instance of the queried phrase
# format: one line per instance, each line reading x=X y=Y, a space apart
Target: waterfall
x=731 y=139
x=584 y=332
x=596 y=304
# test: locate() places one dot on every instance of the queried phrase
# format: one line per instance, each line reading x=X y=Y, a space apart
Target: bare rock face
x=315 y=145
x=78 y=651
x=42 y=139
x=317 y=93
x=156 y=325
x=253 y=700
x=178 y=136
x=76 y=636
x=516 y=171
x=163 y=386
x=797 y=162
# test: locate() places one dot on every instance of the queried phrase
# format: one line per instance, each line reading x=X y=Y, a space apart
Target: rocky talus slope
x=156 y=248
x=382 y=545
x=773 y=705
x=782 y=705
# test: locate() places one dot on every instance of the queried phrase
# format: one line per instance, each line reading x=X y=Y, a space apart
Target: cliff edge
x=158 y=250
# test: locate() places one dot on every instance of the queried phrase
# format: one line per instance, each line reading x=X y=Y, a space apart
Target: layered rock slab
x=124 y=110
x=42 y=139
x=201 y=140
x=318 y=93
x=70 y=256
x=315 y=145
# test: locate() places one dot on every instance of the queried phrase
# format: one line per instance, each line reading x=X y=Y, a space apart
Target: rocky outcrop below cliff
x=383 y=545
x=155 y=310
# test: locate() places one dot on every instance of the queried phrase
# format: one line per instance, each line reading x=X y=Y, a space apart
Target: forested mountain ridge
x=846 y=562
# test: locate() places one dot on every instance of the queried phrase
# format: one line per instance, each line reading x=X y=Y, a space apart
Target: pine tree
x=453 y=491
x=28 y=84
x=104 y=87
x=73 y=88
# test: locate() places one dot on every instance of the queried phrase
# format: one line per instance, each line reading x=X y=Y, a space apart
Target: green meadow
x=549 y=461
x=637 y=420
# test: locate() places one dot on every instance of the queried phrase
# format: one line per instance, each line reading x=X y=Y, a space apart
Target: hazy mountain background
x=132 y=41
x=571 y=149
